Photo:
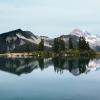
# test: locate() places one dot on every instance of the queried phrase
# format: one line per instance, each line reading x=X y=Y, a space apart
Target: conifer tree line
x=59 y=45
x=41 y=45
x=70 y=43
x=83 y=45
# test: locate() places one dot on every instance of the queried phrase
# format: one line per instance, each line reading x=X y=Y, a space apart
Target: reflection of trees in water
x=58 y=64
x=78 y=66
x=82 y=64
x=41 y=63
x=75 y=66
x=19 y=66
x=44 y=63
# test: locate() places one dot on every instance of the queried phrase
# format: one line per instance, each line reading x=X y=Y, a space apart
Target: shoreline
x=43 y=54
x=16 y=55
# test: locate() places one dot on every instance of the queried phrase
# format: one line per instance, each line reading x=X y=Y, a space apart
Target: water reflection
x=76 y=66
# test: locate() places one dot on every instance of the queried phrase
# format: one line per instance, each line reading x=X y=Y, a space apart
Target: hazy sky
x=50 y=17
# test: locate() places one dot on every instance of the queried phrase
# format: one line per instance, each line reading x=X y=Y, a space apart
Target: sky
x=50 y=17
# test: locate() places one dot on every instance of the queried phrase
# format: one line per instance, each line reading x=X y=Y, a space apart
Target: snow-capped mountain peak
x=93 y=40
x=78 y=32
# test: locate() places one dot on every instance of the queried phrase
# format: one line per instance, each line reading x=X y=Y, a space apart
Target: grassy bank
x=75 y=53
x=46 y=54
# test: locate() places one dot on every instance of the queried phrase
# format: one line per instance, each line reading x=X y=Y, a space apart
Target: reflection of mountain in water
x=74 y=66
x=19 y=66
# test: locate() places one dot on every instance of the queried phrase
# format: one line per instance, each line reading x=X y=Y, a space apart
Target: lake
x=49 y=79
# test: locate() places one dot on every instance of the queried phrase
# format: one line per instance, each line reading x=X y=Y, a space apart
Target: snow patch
x=33 y=40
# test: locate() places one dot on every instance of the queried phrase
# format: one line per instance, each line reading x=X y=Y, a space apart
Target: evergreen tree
x=80 y=43
x=87 y=46
x=56 y=45
x=83 y=45
x=28 y=47
x=41 y=45
x=61 y=45
x=70 y=43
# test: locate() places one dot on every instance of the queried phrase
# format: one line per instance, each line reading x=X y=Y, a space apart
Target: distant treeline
x=59 y=45
x=59 y=48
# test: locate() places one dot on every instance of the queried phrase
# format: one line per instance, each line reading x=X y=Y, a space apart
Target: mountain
x=79 y=33
x=21 y=41
x=94 y=40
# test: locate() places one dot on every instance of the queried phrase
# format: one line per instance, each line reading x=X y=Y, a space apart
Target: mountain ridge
x=17 y=40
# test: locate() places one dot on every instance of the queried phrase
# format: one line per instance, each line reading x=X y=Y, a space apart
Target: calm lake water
x=50 y=79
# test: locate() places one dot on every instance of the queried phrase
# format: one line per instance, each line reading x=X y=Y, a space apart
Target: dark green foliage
x=56 y=45
x=41 y=45
x=70 y=43
x=59 y=45
x=87 y=46
x=41 y=63
x=83 y=45
x=58 y=64
x=42 y=54
x=27 y=47
x=79 y=63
